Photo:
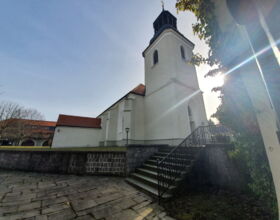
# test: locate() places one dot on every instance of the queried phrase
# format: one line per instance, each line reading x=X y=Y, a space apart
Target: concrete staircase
x=145 y=177
x=161 y=174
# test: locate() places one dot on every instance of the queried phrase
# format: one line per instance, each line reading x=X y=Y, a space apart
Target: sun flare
x=208 y=83
x=219 y=80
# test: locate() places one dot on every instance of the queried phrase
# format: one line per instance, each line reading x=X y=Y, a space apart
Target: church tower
x=173 y=104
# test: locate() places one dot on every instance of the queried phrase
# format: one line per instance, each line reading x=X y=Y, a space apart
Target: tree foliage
x=206 y=27
x=236 y=110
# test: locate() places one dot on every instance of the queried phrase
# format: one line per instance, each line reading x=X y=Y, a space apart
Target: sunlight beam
x=254 y=56
x=182 y=101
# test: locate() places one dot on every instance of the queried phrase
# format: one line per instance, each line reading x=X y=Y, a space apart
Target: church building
x=163 y=111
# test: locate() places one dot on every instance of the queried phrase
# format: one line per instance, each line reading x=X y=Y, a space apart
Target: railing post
x=158 y=176
x=203 y=135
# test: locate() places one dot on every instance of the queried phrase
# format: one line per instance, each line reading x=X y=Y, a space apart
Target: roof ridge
x=76 y=116
x=78 y=121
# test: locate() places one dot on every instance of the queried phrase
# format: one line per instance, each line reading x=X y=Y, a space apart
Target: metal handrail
x=203 y=135
x=177 y=146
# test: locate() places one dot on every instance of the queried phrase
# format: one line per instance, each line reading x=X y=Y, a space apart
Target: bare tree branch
x=13 y=124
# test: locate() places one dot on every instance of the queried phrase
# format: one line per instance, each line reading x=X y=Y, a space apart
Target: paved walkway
x=36 y=196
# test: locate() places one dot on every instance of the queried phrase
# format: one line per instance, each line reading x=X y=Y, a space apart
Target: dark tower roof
x=164 y=21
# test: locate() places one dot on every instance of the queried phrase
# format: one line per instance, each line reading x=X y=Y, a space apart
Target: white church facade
x=163 y=111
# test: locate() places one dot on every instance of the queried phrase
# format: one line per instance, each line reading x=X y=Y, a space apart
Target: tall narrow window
x=183 y=52
x=192 y=123
x=155 y=57
x=189 y=111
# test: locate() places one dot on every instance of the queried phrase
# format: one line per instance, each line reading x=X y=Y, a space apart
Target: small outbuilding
x=75 y=131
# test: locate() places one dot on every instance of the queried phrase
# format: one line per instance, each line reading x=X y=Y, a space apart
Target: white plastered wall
x=170 y=85
x=76 y=137
x=138 y=119
x=127 y=113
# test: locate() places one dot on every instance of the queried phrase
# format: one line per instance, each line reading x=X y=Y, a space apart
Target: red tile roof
x=31 y=129
x=41 y=123
x=139 y=90
x=77 y=121
x=30 y=122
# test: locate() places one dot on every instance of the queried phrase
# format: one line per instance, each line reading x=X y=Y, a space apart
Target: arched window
x=28 y=143
x=155 y=57
x=46 y=143
x=182 y=52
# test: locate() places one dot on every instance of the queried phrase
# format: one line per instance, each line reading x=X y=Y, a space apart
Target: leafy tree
x=236 y=110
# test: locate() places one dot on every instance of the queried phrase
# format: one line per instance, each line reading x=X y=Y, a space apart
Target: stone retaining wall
x=212 y=167
x=105 y=163
x=119 y=163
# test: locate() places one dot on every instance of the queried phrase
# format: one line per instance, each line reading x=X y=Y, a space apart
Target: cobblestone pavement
x=35 y=196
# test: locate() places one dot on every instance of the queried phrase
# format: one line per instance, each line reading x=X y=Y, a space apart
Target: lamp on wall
x=127 y=130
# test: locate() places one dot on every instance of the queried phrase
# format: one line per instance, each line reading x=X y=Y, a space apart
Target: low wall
x=105 y=162
x=99 y=163
x=212 y=167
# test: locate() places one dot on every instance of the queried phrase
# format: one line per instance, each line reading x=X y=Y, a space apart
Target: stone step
x=154 y=167
x=184 y=149
x=147 y=173
x=186 y=158
x=176 y=156
x=164 y=154
x=145 y=179
x=175 y=165
x=151 y=178
x=142 y=186
x=154 y=174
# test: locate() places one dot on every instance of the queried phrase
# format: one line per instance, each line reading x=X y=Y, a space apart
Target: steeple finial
x=162 y=4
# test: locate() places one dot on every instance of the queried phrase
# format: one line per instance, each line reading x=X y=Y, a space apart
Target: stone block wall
x=119 y=163
x=34 y=161
x=76 y=164
x=212 y=167
x=111 y=163
x=100 y=163
x=136 y=155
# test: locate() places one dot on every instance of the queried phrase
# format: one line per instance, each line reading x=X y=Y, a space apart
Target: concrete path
x=38 y=196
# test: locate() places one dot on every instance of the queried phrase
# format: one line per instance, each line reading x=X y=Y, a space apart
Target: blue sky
x=79 y=56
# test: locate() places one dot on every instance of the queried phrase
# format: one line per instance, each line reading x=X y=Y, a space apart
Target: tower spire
x=164 y=20
x=162 y=4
